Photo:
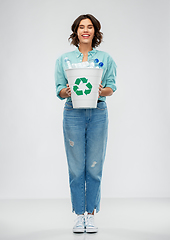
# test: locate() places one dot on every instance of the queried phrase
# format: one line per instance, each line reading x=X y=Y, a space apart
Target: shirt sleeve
x=60 y=80
x=111 y=75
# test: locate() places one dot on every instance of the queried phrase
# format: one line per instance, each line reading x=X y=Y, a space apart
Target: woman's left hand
x=100 y=89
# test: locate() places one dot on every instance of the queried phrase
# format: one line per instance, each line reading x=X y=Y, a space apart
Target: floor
x=119 y=219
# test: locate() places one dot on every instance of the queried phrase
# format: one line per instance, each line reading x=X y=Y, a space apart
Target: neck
x=85 y=48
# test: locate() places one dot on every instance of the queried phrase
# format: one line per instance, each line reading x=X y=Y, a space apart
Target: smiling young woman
x=85 y=130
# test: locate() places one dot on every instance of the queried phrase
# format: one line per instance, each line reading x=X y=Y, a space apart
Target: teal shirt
x=108 y=76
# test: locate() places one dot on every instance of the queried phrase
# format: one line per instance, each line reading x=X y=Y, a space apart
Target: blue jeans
x=85 y=136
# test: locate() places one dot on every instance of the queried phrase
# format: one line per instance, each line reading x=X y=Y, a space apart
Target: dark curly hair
x=98 y=36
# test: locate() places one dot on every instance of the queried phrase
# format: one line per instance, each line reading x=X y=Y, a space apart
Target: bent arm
x=107 y=91
x=65 y=92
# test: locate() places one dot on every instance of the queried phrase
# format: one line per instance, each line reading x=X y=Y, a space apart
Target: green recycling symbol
x=80 y=92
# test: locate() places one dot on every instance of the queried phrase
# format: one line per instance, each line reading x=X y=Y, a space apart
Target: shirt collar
x=92 y=52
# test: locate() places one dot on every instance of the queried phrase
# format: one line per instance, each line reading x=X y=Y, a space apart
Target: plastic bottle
x=96 y=62
x=91 y=63
x=76 y=65
x=85 y=64
x=68 y=63
x=100 y=64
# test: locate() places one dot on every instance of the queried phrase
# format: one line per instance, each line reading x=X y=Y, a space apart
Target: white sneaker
x=89 y=224
x=79 y=227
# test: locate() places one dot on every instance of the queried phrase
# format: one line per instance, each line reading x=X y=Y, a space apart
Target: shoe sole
x=78 y=230
x=91 y=230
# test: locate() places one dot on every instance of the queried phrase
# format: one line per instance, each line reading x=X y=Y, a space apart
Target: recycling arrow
x=80 y=92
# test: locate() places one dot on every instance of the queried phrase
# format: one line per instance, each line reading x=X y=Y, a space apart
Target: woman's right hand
x=68 y=90
x=65 y=92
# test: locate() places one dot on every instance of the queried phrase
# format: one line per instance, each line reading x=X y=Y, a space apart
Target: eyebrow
x=87 y=25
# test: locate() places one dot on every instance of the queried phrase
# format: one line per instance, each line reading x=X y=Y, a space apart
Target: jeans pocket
x=102 y=105
x=68 y=106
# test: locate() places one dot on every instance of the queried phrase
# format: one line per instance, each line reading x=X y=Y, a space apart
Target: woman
x=85 y=130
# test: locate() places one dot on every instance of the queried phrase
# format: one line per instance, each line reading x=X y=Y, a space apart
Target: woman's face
x=85 y=31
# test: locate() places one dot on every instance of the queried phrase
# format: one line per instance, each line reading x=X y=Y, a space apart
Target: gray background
x=33 y=35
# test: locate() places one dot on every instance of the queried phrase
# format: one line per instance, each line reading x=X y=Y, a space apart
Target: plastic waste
x=92 y=63
x=68 y=63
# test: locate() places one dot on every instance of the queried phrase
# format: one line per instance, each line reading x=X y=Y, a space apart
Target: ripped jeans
x=85 y=136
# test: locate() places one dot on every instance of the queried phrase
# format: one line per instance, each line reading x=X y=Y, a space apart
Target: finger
x=68 y=91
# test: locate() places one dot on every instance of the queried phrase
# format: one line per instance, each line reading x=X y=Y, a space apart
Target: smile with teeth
x=85 y=35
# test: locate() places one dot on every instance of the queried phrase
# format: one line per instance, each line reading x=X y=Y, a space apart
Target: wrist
x=63 y=93
x=107 y=91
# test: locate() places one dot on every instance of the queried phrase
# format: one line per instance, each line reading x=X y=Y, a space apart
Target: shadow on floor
x=103 y=234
